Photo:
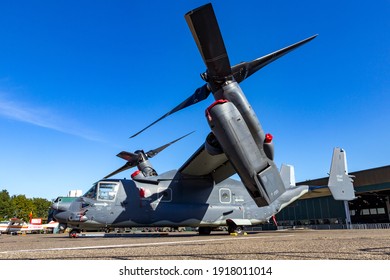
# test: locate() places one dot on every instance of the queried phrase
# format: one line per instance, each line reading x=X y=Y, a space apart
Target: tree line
x=19 y=206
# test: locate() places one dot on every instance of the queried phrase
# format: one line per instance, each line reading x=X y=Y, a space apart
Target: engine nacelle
x=258 y=173
x=232 y=92
x=145 y=166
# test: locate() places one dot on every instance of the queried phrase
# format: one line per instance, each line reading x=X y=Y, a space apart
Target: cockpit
x=103 y=190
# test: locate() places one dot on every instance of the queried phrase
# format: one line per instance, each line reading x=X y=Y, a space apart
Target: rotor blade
x=154 y=152
x=240 y=71
x=128 y=156
x=207 y=35
x=199 y=95
x=243 y=70
x=128 y=165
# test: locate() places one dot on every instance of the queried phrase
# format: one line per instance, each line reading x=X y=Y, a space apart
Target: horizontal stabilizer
x=340 y=183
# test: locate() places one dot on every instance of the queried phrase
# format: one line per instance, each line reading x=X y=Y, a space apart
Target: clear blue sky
x=77 y=78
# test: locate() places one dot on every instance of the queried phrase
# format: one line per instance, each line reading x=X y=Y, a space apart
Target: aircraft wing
x=201 y=163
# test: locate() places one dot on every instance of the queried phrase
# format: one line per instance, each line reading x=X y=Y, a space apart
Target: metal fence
x=339 y=226
x=371 y=226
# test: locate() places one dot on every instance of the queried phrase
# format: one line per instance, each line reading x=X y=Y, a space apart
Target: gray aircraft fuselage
x=170 y=200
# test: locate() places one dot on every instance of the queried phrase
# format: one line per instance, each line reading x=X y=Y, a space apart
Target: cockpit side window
x=91 y=193
x=107 y=191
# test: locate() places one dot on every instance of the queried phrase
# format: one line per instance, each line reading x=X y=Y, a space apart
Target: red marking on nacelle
x=135 y=174
x=268 y=138
x=219 y=101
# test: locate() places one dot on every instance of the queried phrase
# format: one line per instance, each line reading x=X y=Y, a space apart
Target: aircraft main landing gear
x=74 y=233
x=234 y=229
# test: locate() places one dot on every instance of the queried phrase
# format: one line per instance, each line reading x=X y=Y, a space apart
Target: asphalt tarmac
x=265 y=245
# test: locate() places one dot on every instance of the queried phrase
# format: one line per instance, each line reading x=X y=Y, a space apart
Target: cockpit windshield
x=107 y=190
x=102 y=191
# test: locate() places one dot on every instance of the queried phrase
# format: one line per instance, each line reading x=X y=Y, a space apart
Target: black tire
x=204 y=230
x=235 y=229
x=74 y=233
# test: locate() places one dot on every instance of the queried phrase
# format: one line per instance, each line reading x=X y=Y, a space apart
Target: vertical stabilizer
x=340 y=183
x=288 y=175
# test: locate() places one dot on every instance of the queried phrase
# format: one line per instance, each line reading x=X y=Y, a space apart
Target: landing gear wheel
x=74 y=233
x=204 y=230
x=237 y=230
x=234 y=229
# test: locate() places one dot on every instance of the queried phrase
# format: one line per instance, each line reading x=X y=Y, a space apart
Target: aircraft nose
x=62 y=217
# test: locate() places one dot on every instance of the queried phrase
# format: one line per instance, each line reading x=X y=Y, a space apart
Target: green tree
x=5 y=205
x=22 y=207
x=42 y=206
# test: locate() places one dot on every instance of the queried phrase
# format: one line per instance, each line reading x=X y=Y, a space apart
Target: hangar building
x=372 y=205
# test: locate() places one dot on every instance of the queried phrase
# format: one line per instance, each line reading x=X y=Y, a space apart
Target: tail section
x=340 y=183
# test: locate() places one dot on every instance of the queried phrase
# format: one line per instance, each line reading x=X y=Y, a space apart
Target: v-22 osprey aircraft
x=201 y=193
